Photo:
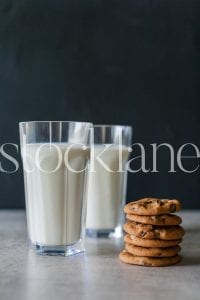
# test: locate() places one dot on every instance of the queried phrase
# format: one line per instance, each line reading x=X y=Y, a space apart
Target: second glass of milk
x=107 y=180
x=55 y=157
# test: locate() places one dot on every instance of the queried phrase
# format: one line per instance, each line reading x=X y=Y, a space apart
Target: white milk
x=54 y=200
x=106 y=190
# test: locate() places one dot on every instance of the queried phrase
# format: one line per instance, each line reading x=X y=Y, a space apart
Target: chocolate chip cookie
x=165 y=220
x=152 y=206
x=152 y=252
x=132 y=239
x=153 y=231
x=129 y=258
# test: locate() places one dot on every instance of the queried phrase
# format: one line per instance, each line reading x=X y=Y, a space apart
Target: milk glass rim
x=67 y=122
x=111 y=125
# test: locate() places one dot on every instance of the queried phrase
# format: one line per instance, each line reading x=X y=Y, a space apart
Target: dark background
x=116 y=62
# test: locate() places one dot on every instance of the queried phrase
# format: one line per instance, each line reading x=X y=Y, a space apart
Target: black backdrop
x=118 y=62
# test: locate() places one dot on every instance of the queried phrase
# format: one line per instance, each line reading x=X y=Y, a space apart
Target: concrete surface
x=96 y=275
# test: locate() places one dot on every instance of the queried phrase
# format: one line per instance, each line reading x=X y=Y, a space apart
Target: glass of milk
x=107 y=180
x=55 y=157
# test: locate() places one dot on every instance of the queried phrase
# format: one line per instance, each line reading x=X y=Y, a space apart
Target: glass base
x=104 y=233
x=67 y=250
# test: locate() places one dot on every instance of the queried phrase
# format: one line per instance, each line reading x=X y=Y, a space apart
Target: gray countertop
x=96 y=275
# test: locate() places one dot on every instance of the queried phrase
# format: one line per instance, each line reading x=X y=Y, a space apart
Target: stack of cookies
x=153 y=234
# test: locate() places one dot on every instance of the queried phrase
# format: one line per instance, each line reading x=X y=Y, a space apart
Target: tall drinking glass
x=55 y=156
x=107 y=180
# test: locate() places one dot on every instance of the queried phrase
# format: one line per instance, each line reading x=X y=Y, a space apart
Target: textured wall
x=129 y=62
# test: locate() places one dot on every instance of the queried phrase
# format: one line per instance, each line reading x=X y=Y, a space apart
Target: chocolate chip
x=148 y=202
x=172 y=207
x=157 y=235
x=142 y=233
